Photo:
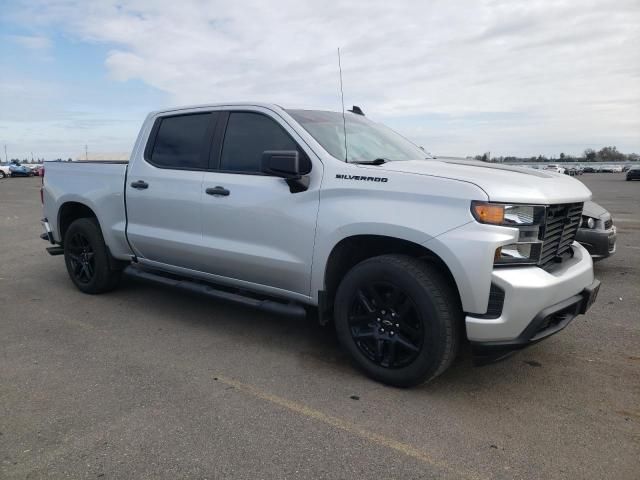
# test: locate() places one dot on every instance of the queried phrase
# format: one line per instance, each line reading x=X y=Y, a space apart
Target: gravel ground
x=146 y=382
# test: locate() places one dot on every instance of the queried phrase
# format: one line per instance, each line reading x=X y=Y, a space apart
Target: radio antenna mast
x=344 y=119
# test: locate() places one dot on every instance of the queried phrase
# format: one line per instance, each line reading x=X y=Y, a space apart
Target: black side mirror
x=281 y=163
x=285 y=164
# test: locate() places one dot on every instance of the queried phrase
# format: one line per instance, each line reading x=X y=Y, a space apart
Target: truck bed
x=97 y=184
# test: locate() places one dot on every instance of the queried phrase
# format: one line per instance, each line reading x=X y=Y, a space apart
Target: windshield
x=366 y=141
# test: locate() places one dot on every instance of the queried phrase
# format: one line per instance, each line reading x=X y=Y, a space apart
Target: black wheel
x=87 y=258
x=398 y=318
x=2 y=174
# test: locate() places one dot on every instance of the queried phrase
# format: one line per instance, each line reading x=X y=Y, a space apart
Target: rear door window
x=182 y=141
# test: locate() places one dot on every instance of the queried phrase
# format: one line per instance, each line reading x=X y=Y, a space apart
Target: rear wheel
x=87 y=258
x=398 y=318
x=2 y=174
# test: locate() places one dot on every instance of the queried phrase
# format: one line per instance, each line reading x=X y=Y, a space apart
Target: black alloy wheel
x=386 y=325
x=87 y=258
x=82 y=258
x=398 y=317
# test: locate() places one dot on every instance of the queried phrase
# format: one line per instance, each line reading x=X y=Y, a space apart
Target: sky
x=457 y=77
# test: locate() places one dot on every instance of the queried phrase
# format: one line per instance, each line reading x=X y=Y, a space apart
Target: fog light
x=523 y=253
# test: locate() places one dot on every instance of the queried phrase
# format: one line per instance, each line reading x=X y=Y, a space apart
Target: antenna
x=344 y=119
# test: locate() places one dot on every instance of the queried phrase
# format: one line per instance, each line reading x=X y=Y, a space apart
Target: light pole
x=6 y=159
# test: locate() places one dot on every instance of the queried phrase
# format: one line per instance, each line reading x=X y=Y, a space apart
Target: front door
x=255 y=230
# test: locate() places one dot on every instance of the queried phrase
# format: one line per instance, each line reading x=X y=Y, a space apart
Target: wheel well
x=71 y=211
x=353 y=250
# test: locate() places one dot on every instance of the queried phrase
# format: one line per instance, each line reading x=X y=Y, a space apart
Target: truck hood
x=501 y=183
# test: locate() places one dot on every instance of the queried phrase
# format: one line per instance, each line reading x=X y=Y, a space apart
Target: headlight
x=588 y=222
x=507 y=215
x=526 y=218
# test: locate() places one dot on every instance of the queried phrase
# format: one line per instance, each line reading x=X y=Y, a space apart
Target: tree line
x=605 y=154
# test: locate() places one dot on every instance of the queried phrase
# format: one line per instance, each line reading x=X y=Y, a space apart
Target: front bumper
x=531 y=297
x=599 y=243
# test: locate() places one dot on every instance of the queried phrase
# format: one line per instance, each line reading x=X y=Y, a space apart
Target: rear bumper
x=531 y=295
x=48 y=234
x=599 y=243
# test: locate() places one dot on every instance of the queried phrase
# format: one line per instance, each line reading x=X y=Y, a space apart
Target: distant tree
x=562 y=156
x=590 y=155
x=484 y=157
x=69 y=159
x=610 y=154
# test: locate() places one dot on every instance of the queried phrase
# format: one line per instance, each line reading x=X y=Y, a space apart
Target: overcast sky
x=459 y=77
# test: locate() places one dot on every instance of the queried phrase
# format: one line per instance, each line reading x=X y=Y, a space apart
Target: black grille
x=608 y=224
x=560 y=227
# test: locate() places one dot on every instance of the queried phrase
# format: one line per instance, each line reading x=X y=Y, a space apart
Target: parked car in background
x=589 y=169
x=38 y=170
x=4 y=171
x=17 y=170
x=573 y=171
x=597 y=233
x=633 y=173
x=555 y=168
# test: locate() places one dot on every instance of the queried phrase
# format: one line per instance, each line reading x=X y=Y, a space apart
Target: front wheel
x=398 y=318
x=87 y=258
x=2 y=174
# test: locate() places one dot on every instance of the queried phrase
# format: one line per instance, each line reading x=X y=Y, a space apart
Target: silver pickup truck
x=406 y=255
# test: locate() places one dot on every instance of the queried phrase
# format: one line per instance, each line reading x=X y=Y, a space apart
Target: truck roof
x=270 y=106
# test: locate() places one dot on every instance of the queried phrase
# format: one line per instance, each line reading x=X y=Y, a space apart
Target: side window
x=248 y=135
x=181 y=141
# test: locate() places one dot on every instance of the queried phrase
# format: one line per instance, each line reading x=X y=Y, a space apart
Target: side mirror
x=281 y=163
x=285 y=164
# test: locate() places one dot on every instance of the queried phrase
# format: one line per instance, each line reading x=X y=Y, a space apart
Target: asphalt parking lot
x=146 y=382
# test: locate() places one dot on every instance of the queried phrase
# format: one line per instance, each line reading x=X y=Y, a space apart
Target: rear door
x=164 y=189
x=257 y=231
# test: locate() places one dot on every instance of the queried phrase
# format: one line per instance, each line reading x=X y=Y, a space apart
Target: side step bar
x=57 y=250
x=272 y=306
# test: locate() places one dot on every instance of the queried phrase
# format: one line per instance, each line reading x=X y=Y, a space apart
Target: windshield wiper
x=377 y=161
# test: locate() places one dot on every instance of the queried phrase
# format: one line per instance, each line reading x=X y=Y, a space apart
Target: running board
x=57 y=250
x=272 y=306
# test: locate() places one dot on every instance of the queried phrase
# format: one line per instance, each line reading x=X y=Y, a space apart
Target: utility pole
x=31 y=157
x=6 y=159
x=86 y=152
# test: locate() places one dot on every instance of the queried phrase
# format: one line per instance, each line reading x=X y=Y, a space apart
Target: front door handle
x=218 y=191
x=140 y=184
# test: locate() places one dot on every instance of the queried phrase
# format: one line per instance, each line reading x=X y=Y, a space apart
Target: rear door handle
x=217 y=191
x=140 y=184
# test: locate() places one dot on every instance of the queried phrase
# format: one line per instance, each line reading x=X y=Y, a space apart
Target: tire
x=87 y=258
x=2 y=174
x=399 y=319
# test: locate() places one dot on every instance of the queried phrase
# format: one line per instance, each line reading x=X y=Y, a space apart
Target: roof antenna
x=344 y=119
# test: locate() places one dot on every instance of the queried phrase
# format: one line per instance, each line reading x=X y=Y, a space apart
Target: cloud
x=563 y=73
x=32 y=42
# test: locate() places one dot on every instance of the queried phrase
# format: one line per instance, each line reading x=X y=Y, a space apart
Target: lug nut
x=382 y=330
x=391 y=332
x=383 y=312
x=397 y=325
x=393 y=314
